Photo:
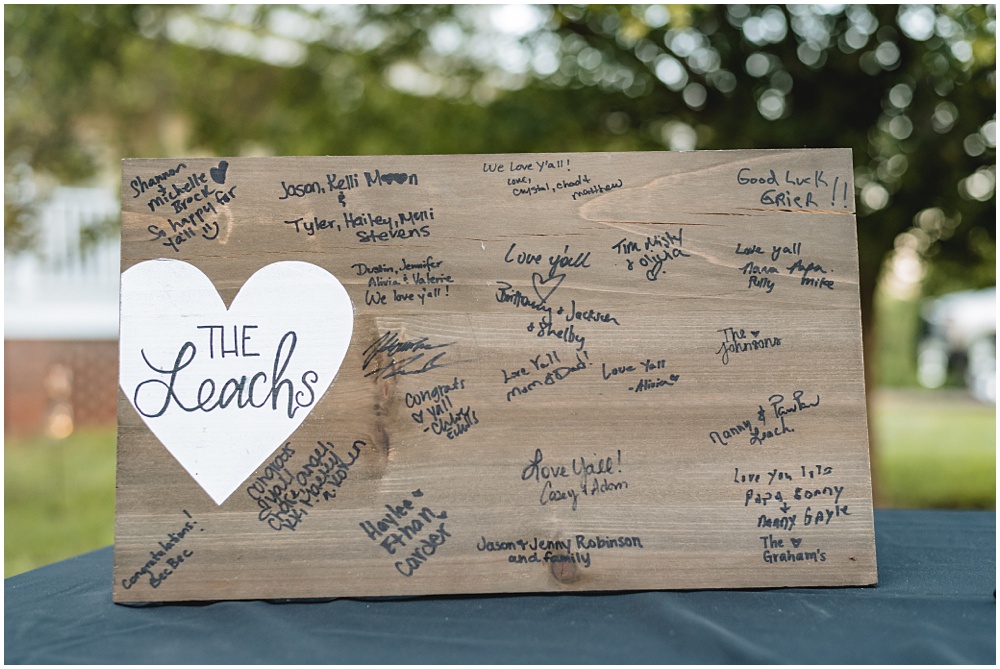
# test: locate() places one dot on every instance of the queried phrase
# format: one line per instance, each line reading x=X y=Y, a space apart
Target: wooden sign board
x=405 y=375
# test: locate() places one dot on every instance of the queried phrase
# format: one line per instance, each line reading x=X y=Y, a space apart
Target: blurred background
x=910 y=88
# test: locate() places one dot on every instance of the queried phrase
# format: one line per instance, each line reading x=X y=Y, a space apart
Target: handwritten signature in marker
x=389 y=345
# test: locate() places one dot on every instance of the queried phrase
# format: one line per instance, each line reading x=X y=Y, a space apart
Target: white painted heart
x=223 y=388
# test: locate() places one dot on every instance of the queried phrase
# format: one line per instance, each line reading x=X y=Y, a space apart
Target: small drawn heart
x=796 y=542
x=223 y=388
x=218 y=174
x=544 y=287
x=418 y=417
x=755 y=333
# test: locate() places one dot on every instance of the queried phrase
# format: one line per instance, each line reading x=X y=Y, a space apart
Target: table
x=935 y=603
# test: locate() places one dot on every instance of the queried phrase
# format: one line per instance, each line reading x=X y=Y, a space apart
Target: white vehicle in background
x=960 y=337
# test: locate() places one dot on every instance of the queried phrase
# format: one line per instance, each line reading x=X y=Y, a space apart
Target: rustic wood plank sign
x=490 y=373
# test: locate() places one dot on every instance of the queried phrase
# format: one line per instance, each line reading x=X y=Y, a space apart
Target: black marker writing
x=389 y=345
x=153 y=397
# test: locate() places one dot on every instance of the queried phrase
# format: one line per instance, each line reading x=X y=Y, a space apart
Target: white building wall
x=59 y=290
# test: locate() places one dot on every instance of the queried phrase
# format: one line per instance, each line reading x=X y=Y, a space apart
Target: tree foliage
x=911 y=89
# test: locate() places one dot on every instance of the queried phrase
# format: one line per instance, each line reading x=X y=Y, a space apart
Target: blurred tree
x=911 y=89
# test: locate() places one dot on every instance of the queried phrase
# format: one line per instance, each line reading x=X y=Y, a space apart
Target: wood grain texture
x=571 y=372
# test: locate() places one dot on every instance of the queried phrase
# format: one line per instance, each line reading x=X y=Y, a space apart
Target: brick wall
x=55 y=386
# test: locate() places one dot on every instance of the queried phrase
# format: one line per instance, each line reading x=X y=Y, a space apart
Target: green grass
x=934 y=449
x=896 y=334
x=59 y=497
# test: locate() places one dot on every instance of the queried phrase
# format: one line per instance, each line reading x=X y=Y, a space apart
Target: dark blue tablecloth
x=935 y=603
